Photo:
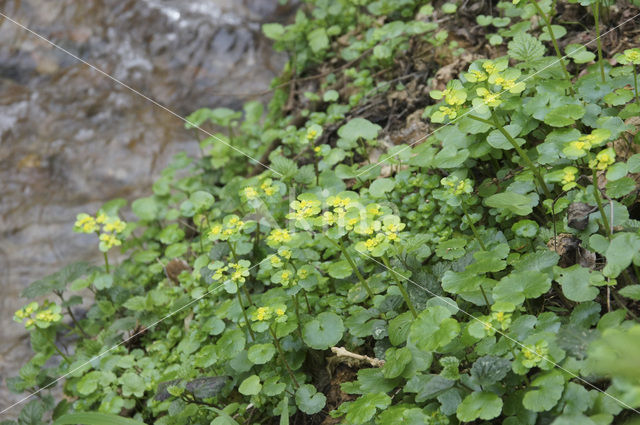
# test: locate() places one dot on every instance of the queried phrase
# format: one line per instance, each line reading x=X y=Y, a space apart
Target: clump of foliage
x=487 y=273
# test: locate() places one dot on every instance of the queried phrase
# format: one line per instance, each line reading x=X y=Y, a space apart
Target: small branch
x=343 y=352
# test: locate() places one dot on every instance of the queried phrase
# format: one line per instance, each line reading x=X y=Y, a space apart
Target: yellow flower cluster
x=235 y=272
x=111 y=228
x=569 y=175
x=311 y=134
x=108 y=241
x=278 y=237
x=630 y=56
x=230 y=226
x=603 y=159
x=266 y=187
x=489 y=98
x=304 y=209
x=263 y=314
x=533 y=354
x=44 y=316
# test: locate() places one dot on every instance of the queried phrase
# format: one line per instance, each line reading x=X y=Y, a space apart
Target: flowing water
x=71 y=139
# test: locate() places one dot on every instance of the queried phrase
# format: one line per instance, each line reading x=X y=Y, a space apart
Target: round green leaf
x=324 y=331
x=479 y=405
x=620 y=187
x=434 y=328
x=340 y=269
x=547 y=392
x=359 y=128
x=250 y=386
x=514 y=202
x=261 y=353
x=89 y=382
x=145 y=208
x=381 y=186
x=201 y=200
x=132 y=384
x=515 y=287
x=575 y=282
x=309 y=400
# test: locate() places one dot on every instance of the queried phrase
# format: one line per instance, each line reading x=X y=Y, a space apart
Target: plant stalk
x=363 y=282
x=596 y=194
x=547 y=22
x=596 y=17
x=246 y=318
x=473 y=227
x=282 y=357
x=635 y=83
x=401 y=287
x=519 y=150
x=106 y=261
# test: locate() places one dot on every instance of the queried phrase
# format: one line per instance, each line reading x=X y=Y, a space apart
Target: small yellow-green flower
x=475 y=76
x=630 y=56
x=85 y=224
x=261 y=314
x=250 y=193
x=489 y=98
x=603 y=159
x=278 y=237
x=533 y=355
x=569 y=175
x=113 y=224
x=311 y=134
x=108 y=241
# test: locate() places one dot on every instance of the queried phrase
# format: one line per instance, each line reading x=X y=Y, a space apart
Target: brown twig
x=343 y=352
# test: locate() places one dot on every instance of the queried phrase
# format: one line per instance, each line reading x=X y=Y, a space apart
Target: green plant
x=467 y=276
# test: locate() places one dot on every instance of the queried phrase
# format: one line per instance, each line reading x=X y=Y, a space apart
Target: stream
x=71 y=139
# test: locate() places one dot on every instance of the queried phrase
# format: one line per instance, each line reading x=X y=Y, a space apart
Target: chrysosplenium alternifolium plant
x=451 y=270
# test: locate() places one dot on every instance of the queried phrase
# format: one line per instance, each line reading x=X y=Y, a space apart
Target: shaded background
x=71 y=139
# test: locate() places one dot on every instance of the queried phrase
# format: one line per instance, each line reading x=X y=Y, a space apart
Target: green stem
x=596 y=16
x=484 y=295
x=73 y=318
x=246 y=293
x=106 y=261
x=53 y=342
x=307 y=301
x=246 y=319
x=521 y=152
x=596 y=194
x=297 y=304
x=473 y=227
x=635 y=83
x=282 y=357
x=402 y=289
x=233 y=251
x=363 y=282
x=547 y=21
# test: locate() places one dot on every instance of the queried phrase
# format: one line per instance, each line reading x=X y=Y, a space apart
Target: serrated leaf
x=490 y=369
x=525 y=47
